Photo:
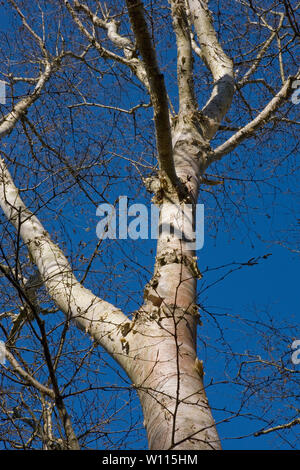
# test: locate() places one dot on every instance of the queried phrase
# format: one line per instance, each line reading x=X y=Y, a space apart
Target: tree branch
x=99 y=318
x=261 y=54
x=28 y=377
x=187 y=101
x=278 y=428
x=157 y=89
x=119 y=41
x=113 y=108
x=263 y=117
x=220 y=65
x=8 y=122
x=102 y=51
x=36 y=37
x=111 y=26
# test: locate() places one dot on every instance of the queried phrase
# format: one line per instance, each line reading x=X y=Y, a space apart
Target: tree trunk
x=165 y=368
x=168 y=378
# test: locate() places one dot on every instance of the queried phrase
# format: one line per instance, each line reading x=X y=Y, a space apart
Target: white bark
x=170 y=386
x=9 y=121
x=187 y=101
x=99 y=318
x=261 y=119
x=220 y=65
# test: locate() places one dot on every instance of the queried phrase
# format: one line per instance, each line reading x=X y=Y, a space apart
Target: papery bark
x=166 y=371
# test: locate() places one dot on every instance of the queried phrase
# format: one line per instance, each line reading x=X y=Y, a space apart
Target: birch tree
x=59 y=47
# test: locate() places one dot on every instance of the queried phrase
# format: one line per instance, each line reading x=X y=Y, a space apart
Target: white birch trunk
x=166 y=371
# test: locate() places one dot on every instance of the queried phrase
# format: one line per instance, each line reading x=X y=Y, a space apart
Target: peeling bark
x=166 y=371
x=166 y=376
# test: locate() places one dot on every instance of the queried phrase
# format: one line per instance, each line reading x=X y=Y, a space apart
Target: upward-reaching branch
x=111 y=26
x=259 y=121
x=261 y=53
x=119 y=41
x=220 y=65
x=8 y=122
x=101 y=319
x=157 y=88
x=92 y=39
x=187 y=101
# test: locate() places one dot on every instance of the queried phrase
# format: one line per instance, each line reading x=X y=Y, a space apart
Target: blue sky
x=257 y=218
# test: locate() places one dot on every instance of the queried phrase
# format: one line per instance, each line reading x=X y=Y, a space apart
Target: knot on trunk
x=180 y=313
x=161 y=187
x=176 y=256
x=157 y=290
x=165 y=310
